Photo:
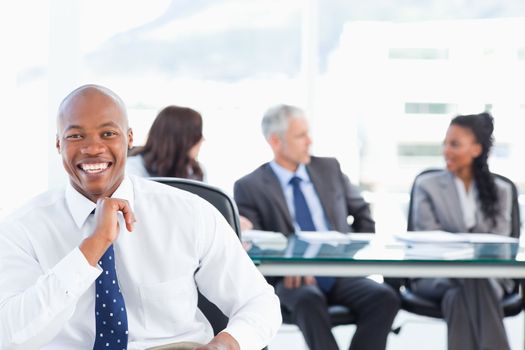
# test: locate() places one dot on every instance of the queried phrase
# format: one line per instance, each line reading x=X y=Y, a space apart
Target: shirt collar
x=80 y=207
x=472 y=192
x=285 y=175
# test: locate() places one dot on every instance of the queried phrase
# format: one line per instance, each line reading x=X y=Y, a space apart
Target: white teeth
x=95 y=167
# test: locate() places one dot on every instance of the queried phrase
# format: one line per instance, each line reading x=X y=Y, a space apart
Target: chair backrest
x=218 y=198
x=515 y=210
x=515 y=220
x=228 y=209
x=410 y=226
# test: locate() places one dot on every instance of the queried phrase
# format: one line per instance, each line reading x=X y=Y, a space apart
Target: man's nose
x=93 y=146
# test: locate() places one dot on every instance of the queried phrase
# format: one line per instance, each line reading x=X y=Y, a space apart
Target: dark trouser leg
x=483 y=316
x=310 y=311
x=375 y=306
x=472 y=311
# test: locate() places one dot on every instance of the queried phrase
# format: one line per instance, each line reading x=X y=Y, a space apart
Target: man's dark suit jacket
x=260 y=198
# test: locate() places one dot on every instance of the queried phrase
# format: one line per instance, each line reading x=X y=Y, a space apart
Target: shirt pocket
x=169 y=306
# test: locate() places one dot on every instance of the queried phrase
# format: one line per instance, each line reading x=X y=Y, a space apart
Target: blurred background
x=379 y=81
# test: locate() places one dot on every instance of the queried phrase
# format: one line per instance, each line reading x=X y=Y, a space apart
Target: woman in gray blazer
x=465 y=198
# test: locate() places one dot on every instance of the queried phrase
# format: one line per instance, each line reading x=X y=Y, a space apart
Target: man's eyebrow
x=72 y=127
x=108 y=124
x=105 y=125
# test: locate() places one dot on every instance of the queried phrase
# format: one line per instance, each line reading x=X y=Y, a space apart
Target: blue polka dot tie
x=303 y=217
x=110 y=310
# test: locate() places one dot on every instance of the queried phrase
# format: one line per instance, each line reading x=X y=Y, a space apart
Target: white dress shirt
x=135 y=166
x=179 y=242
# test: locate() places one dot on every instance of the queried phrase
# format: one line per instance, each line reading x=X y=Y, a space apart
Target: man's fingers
x=289 y=282
x=292 y=282
x=309 y=280
x=121 y=205
x=296 y=281
x=129 y=216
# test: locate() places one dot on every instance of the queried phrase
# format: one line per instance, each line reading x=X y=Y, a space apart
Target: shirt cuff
x=74 y=273
x=246 y=337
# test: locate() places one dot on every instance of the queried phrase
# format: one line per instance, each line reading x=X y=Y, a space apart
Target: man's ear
x=57 y=144
x=130 y=138
x=274 y=141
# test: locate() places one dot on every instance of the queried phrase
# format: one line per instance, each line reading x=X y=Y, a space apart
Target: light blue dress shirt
x=308 y=189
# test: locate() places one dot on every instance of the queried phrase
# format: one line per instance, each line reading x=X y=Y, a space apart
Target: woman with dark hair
x=466 y=197
x=173 y=145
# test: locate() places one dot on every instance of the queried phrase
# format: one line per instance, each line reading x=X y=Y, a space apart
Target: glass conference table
x=366 y=254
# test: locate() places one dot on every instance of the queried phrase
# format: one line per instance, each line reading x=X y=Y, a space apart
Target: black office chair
x=228 y=209
x=339 y=316
x=411 y=302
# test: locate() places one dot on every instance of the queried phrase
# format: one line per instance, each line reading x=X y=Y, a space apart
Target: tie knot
x=295 y=181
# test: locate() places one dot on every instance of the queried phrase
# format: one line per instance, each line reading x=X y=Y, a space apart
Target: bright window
x=380 y=82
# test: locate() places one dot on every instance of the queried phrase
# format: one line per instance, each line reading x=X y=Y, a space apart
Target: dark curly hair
x=173 y=133
x=482 y=126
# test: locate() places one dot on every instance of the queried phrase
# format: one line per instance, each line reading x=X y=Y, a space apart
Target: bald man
x=114 y=262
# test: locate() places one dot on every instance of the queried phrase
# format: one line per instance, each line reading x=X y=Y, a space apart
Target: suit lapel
x=275 y=191
x=324 y=190
x=450 y=197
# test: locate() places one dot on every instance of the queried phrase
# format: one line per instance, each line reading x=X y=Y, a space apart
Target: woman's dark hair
x=173 y=133
x=482 y=126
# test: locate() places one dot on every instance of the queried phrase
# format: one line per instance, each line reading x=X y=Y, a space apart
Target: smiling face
x=460 y=148
x=93 y=138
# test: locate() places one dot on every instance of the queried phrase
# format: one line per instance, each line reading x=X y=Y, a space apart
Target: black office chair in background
x=411 y=302
x=339 y=316
x=228 y=209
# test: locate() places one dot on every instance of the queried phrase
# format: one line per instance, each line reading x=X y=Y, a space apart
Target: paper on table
x=445 y=252
x=431 y=237
x=361 y=236
x=265 y=239
x=489 y=238
x=324 y=236
x=447 y=237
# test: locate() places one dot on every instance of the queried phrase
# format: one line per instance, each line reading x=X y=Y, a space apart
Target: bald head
x=86 y=93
